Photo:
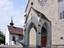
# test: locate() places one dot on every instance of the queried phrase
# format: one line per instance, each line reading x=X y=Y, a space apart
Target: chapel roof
x=15 y=30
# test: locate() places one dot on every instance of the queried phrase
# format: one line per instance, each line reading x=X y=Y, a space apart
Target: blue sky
x=13 y=8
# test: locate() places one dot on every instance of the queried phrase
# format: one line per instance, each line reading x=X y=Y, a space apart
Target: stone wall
x=8 y=46
x=57 y=46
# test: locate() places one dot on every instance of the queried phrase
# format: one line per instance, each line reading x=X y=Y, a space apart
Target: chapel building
x=14 y=36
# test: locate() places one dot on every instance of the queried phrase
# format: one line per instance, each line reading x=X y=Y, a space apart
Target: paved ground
x=7 y=46
x=12 y=46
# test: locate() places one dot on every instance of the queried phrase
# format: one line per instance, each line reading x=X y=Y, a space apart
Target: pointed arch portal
x=32 y=35
x=41 y=33
x=43 y=37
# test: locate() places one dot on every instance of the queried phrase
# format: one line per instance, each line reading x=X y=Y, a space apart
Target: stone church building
x=44 y=24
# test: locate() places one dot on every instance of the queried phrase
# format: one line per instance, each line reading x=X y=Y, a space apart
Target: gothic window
x=61 y=8
x=62 y=15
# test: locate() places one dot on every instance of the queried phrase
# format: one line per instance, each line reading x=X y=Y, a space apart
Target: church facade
x=44 y=24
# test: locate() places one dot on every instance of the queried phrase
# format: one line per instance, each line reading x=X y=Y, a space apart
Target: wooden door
x=43 y=41
x=43 y=37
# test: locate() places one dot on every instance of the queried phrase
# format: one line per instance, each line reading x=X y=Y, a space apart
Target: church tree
x=2 y=38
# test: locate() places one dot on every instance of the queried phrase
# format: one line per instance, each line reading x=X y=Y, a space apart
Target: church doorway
x=46 y=35
x=43 y=37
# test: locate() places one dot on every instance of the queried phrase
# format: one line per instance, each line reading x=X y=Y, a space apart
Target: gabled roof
x=15 y=30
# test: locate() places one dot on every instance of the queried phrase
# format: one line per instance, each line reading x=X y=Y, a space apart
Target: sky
x=14 y=8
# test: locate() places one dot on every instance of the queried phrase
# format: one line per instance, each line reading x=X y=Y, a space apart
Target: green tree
x=2 y=38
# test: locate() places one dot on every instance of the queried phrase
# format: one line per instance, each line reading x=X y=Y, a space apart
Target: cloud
x=5 y=7
x=7 y=10
x=5 y=4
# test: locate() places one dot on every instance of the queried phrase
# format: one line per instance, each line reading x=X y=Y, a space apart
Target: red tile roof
x=15 y=30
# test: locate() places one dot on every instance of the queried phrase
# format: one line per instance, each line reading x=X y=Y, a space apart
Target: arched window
x=44 y=32
x=61 y=8
x=13 y=39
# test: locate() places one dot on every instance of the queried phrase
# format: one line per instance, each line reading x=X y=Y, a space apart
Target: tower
x=11 y=23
